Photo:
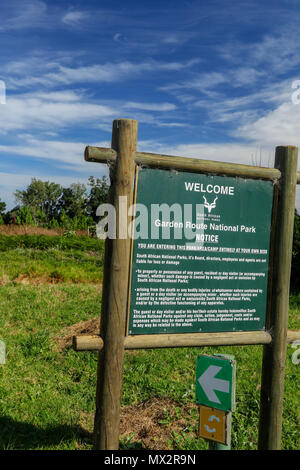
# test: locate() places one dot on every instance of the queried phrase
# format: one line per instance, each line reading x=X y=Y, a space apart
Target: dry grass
x=154 y=422
x=29 y=230
x=89 y=327
x=145 y=425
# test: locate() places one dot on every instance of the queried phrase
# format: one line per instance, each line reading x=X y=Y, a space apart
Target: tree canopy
x=45 y=203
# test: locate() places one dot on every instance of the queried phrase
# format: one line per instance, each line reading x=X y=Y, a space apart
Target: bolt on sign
x=200 y=255
x=214 y=425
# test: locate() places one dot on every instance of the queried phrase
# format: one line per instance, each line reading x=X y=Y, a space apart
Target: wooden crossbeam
x=95 y=342
x=195 y=165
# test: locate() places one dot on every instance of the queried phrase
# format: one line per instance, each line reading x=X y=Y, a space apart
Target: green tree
x=74 y=200
x=53 y=223
x=41 y=198
x=2 y=212
x=64 y=219
x=2 y=207
x=11 y=216
x=98 y=194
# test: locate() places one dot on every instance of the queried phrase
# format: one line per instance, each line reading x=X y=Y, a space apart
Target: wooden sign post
x=231 y=288
x=115 y=293
x=272 y=386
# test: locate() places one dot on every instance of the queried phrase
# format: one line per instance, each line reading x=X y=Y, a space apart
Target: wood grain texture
x=87 y=343
x=274 y=357
x=95 y=343
x=110 y=364
x=196 y=165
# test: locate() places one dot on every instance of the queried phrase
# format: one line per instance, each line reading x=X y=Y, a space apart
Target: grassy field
x=51 y=266
x=47 y=391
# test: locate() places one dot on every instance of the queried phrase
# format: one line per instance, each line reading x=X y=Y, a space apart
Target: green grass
x=47 y=397
x=52 y=265
x=44 y=393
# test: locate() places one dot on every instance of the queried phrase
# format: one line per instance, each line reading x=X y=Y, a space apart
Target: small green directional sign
x=215 y=382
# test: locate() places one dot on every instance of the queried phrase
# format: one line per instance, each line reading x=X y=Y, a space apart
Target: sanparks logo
x=209 y=189
x=209 y=206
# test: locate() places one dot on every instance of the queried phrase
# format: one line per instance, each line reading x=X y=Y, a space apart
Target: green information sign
x=200 y=258
x=215 y=382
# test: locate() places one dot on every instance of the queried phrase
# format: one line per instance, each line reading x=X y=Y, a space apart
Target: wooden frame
x=111 y=343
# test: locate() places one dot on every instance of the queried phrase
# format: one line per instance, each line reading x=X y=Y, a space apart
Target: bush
x=24 y=217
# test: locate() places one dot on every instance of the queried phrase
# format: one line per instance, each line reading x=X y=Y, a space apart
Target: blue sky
x=204 y=79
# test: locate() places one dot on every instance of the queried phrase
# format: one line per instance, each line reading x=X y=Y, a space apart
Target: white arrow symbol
x=210 y=383
x=213 y=418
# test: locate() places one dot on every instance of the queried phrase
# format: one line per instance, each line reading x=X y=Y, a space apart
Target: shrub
x=24 y=217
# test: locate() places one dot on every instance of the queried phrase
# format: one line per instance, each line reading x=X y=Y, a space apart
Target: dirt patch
x=29 y=230
x=26 y=280
x=150 y=425
x=4 y=280
x=89 y=327
x=34 y=281
x=53 y=279
x=155 y=423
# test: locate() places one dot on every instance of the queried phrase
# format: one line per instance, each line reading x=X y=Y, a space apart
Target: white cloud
x=113 y=71
x=20 y=15
x=275 y=54
x=244 y=76
x=65 y=154
x=150 y=106
x=203 y=82
x=177 y=37
x=117 y=36
x=230 y=152
x=279 y=126
x=172 y=124
x=49 y=72
x=50 y=111
x=73 y=18
x=57 y=110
